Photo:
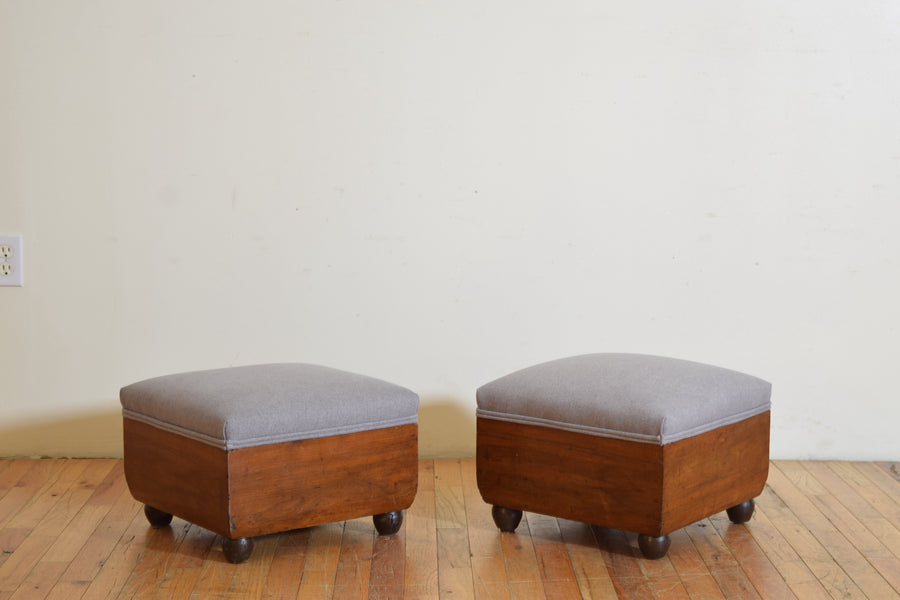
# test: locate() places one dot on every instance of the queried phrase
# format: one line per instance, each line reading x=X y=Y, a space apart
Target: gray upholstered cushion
x=240 y=407
x=626 y=396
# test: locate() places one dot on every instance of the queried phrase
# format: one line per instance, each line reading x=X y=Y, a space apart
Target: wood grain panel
x=575 y=476
x=640 y=487
x=276 y=487
x=710 y=472
x=279 y=487
x=177 y=475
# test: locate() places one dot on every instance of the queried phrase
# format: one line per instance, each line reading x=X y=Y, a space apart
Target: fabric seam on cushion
x=660 y=439
x=227 y=444
x=709 y=426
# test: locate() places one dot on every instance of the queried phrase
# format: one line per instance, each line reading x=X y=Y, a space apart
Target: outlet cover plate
x=11 y=261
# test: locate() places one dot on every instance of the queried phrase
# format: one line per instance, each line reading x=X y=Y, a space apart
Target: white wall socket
x=11 y=261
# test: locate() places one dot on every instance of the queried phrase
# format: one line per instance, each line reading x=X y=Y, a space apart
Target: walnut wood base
x=240 y=494
x=644 y=488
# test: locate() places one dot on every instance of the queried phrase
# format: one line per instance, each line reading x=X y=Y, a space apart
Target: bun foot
x=237 y=551
x=742 y=512
x=507 y=519
x=156 y=517
x=653 y=546
x=388 y=523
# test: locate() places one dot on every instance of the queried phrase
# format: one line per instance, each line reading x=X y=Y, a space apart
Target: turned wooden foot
x=742 y=512
x=388 y=523
x=507 y=519
x=237 y=551
x=653 y=546
x=157 y=517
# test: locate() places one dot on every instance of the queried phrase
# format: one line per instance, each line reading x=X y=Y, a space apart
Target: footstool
x=640 y=443
x=255 y=450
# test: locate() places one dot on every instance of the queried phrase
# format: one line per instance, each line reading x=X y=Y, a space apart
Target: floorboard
x=69 y=530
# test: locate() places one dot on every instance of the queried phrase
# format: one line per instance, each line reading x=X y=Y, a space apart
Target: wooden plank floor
x=69 y=529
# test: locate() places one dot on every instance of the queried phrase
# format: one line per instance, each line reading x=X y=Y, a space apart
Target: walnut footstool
x=250 y=451
x=641 y=443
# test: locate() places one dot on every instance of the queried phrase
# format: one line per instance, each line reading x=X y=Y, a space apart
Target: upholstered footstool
x=250 y=451
x=640 y=443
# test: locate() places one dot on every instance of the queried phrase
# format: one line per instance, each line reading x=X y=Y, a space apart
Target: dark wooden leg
x=507 y=519
x=653 y=546
x=388 y=523
x=157 y=517
x=237 y=551
x=742 y=512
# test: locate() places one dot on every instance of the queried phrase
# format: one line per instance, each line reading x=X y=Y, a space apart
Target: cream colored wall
x=437 y=193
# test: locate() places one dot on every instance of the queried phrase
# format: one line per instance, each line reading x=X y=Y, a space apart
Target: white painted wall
x=437 y=193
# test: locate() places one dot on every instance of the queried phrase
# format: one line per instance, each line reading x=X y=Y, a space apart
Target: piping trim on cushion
x=661 y=439
x=228 y=444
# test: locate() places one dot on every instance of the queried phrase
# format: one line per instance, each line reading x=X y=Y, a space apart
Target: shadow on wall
x=83 y=436
x=446 y=430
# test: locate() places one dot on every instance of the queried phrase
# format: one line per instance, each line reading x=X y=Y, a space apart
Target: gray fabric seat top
x=635 y=397
x=240 y=407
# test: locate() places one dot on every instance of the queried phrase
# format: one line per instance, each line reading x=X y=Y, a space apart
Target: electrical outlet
x=11 y=261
